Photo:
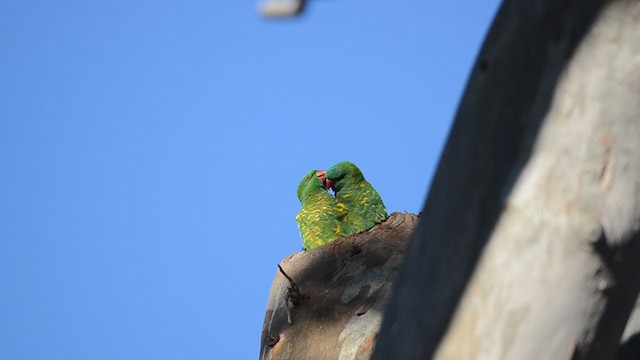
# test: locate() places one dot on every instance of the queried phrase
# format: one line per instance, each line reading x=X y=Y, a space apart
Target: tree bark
x=327 y=303
x=630 y=344
x=529 y=243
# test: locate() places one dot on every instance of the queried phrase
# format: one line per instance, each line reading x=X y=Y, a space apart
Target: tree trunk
x=529 y=244
x=327 y=303
x=630 y=344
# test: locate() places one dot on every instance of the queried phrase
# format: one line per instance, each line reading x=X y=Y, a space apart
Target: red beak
x=322 y=176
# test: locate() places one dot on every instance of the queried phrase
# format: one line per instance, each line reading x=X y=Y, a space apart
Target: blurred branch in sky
x=281 y=8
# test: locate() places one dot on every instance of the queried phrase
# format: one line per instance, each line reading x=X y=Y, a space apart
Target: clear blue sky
x=150 y=153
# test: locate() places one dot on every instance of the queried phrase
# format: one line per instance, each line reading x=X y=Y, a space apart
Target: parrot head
x=314 y=181
x=341 y=173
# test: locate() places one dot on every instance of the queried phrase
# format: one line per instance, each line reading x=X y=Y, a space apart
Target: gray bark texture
x=529 y=245
x=329 y=304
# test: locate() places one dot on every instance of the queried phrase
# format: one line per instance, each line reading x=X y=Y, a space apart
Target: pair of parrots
x=323 y=218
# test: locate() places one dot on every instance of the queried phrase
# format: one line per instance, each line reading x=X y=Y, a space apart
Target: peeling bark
x=333 y=309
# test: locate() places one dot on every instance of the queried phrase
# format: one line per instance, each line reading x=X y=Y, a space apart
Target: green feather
x=358 y=203
x=318 y=219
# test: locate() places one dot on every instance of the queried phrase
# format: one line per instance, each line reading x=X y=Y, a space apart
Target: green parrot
x=318 y=221
x=358 y=203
